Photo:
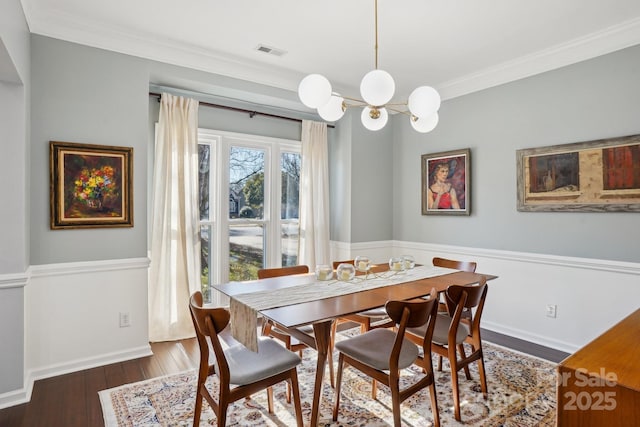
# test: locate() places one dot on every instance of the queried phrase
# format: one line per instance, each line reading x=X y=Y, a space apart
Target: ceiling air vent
x=270 y=50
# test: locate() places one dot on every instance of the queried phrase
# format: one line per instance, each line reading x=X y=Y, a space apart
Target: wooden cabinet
x=599 y=385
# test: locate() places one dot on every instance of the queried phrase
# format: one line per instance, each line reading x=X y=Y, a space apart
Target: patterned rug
x=521 y=393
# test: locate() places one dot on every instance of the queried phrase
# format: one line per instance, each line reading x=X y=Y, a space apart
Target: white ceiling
x=457 y=46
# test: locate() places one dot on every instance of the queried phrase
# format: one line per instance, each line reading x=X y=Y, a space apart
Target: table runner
x=244 y=308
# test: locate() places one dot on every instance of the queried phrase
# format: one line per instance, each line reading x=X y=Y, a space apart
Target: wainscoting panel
x=73 y=315
x=590 y=295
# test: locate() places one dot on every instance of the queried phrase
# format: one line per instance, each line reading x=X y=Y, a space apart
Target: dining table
x=328 y=303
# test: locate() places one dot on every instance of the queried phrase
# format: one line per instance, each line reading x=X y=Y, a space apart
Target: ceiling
x=456 y=46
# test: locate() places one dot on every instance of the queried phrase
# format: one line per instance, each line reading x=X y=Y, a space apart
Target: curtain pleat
x=314 y=195
x=175 y=243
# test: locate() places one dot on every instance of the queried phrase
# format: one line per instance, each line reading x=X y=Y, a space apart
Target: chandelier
x=376 y=90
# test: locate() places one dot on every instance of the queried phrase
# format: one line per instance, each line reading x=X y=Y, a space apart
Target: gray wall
x=14 y=167
x=94 y=96
x=595 y=99
x=372 y=183
x=91 y=96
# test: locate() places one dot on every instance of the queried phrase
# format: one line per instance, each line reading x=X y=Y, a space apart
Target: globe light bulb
x=426 y=124
x=333 y=110
x=314 y=90
x=377 y=87
x=424 y=101
x=374 y=118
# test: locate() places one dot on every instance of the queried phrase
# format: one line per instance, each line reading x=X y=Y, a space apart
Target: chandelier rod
x=376 y=20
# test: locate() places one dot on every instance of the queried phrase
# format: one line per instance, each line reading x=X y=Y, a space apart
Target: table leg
x=322 y=333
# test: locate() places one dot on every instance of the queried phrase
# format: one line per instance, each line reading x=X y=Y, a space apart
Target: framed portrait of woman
x=446 y=186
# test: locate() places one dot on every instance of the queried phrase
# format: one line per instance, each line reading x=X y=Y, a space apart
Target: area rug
x=521 y=393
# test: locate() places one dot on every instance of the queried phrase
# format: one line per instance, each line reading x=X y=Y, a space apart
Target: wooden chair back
x=208 y=323
x=266 y=273
x=469 y=266
x=407 y=314
x=418 y=311
x=467 y=298
x=348 y=261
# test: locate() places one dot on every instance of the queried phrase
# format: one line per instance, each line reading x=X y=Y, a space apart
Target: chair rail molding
x=17 y=280
x=529 y=282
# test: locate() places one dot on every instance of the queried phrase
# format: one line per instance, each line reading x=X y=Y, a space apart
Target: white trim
x=89 y=362
x=64 y=26
x=527 y=336
x=559 y=260
x=83 y=267
x=8 y=281
x=17 y=397
x=575 y=285
x=602 y=42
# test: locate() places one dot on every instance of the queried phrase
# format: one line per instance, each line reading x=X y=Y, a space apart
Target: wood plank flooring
x=71 y=400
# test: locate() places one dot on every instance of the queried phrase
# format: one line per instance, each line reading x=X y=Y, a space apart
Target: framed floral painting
x=446 y=188
x=90 y=185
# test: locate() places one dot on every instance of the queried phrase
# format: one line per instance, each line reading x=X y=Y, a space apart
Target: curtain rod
x=241 y=110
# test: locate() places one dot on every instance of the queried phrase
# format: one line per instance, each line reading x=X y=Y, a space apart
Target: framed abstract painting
x=592 y=176
x=90 y=185
x=446 y=188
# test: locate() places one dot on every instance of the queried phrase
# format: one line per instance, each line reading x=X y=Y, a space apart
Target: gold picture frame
x=446 y=179
x=592 y=176
x=91 y=186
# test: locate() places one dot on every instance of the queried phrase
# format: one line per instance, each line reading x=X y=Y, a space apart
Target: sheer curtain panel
x=175 y=242
x=314 y=195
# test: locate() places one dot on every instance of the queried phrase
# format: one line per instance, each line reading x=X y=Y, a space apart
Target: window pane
x=246 y=183
x=290 y=170
x=204 y=151
x=206 y=234
x=289 y=236
x=246 y=251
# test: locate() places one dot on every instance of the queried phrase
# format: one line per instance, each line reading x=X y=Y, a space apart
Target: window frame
x=219 y=174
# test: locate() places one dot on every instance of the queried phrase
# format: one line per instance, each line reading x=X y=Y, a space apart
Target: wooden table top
x=330 y=308
x=616 y=351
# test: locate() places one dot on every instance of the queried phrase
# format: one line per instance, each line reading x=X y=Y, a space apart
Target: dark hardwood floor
x=71 y=400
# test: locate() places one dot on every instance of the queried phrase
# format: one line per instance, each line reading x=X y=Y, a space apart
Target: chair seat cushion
x=374 y=348
x=441 y=330
x=246 y=367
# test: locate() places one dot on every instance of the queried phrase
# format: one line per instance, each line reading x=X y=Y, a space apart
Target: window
x=249 y=205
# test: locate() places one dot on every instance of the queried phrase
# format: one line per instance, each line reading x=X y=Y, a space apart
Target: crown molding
x=66 y=27
x=609 y=40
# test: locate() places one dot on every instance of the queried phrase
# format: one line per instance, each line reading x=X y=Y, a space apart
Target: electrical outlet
x=552 y=310
x=125 y=320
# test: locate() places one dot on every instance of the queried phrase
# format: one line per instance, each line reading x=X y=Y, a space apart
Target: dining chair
x=383 y=353
x=236 y=366
x=451 y=333
x=275 y=331
x=469 y=266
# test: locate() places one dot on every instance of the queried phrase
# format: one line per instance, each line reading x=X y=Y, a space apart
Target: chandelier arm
x=398 y=111
x=356 y=100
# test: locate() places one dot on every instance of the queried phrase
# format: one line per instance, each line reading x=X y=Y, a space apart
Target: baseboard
x=91 y=362
x=529 y=337
x=17 y=397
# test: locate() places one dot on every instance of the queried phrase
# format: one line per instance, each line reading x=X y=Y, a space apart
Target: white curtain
x=314 y=195
x=175 y=243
